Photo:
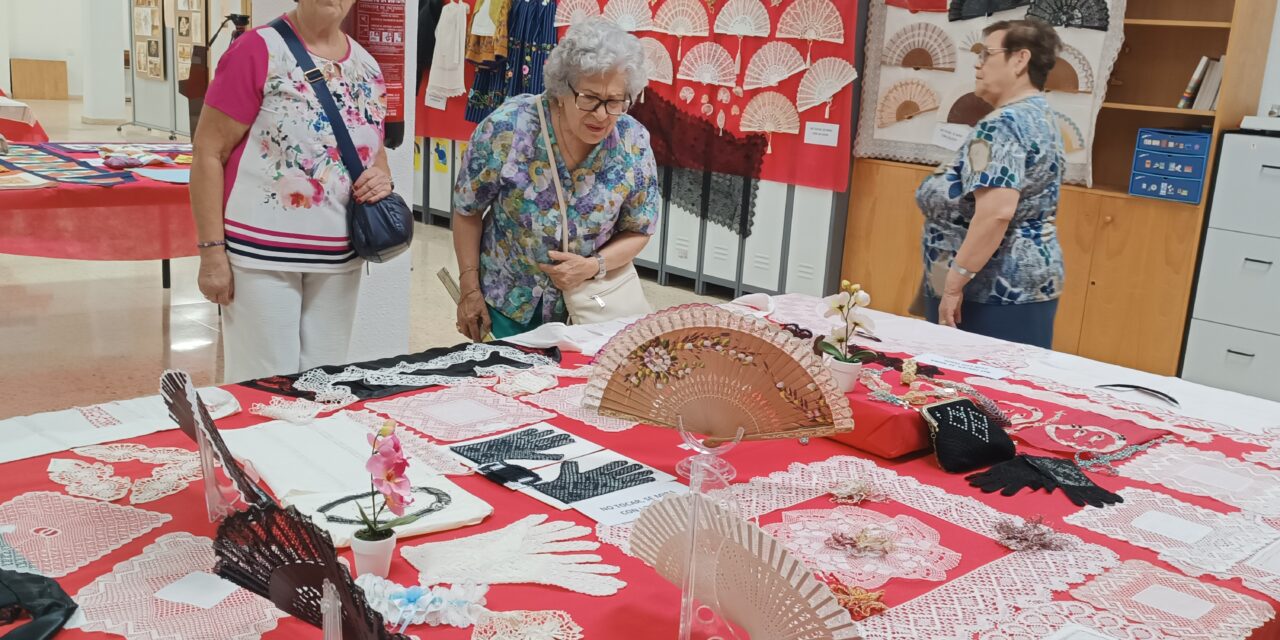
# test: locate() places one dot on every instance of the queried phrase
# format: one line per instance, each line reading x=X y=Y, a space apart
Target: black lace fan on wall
x=1082 y=14
x=969 y=9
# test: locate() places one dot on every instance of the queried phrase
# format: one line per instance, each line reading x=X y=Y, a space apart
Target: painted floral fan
x=822 y=82
x=661 y=68
x=1082 y=14
x=629 y=15
x=916 y=6
x=770 y=112
x=713 y=371
x=1072 y=73
x=743 y=18
x=921 y=46
x=773 y=63
x=708 y=63
x=969 y=9
x=682 y=18
x=812 y=20
x=571 y=12
x=904 y=101
x=742 y=573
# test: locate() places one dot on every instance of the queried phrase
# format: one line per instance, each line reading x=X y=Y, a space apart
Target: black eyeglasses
x=589 y=103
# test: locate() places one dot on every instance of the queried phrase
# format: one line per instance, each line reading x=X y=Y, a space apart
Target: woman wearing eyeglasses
x=506 y=227
x=992 y=262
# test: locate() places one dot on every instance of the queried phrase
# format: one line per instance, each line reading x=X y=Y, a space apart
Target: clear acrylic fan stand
x=330 y=612
x=216 y=491
x=706 y=471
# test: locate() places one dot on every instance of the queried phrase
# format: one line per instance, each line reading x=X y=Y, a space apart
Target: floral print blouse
x=1016 y=147
x=505 y=172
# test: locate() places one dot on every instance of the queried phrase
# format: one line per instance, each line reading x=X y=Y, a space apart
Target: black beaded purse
x=964 y=437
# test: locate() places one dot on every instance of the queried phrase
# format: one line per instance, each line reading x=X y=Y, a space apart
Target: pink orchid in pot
x=389 y=491
x=844 y=358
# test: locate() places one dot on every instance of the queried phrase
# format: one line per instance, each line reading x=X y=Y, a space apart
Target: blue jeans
x=1025 y=323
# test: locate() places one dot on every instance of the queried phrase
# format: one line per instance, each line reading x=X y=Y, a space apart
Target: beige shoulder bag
x=619 y=293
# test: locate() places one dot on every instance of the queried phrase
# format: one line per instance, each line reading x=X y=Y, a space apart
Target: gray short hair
x=595 y=47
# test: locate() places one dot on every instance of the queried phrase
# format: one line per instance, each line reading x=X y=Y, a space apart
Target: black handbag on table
x=965 y=438
x=379 y=230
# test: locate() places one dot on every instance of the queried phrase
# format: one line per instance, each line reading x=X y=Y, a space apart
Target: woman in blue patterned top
x=992 y=262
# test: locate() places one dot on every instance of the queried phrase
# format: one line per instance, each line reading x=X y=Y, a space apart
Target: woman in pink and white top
x=270 y=193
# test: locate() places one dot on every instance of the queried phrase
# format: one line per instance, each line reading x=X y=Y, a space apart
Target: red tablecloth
x=21 y=130
x=648 y=606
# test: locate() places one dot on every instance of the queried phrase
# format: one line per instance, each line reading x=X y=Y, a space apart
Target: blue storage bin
x=1191 y=143
x=1166 y=187
x=1170 y=164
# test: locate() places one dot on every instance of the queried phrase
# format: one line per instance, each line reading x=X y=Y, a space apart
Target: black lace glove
x=1078 y=487
x=574 y=486
x=521 y=445
x=1010 y=477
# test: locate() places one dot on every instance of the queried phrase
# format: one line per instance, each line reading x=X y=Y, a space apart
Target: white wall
x=1271 y=81
x=50 y=30
x=5 y=10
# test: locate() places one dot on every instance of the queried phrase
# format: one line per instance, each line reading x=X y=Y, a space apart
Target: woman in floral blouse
x=992 y=262
x=506 y=230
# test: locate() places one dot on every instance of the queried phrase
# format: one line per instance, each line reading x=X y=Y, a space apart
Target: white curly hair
x=595 y=47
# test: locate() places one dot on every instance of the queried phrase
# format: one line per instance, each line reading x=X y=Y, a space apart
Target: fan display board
x=712 y=371
x=920 y=75
x=813 y=29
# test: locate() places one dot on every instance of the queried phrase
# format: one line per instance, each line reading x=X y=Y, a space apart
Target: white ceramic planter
x=845 y=373
x=373 y=557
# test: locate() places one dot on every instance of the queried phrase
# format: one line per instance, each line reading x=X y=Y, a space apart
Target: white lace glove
x=522 y=552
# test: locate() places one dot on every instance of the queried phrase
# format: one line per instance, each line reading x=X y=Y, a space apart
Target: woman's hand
x=373 y=185
x=473 y=316
x=215 y=279
x=949 y=308
x=570 y=269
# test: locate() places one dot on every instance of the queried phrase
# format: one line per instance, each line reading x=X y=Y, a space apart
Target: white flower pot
x=845 y=373
x=373 y=556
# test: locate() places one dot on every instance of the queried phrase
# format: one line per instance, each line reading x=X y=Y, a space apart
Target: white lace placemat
x=1208 y=473
x=177 y=467
x=526 y=625
x=53 y=534
x=1062 y=617
x=421 y=450
x=123 y=601
x=567 y=401
x=459 y=413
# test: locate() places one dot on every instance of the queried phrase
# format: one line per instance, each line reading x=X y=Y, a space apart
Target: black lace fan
x=188 y=410
x=283 y=556
x=969 y=9
x=1082 y=14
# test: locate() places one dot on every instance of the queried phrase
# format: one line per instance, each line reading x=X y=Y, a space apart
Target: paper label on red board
x=436 y=102
x=823 y=134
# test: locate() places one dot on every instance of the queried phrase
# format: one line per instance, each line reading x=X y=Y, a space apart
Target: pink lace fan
x=770 y=112
x=630 y=15
x=773 y=63
x=822 y=82
x=708 y=63
x=713 y=371
x=921 y=46
x=904 y=101
x=682 y=18
x=656 y=56
x=571 y=12
x=743 y=18
x=812 y=20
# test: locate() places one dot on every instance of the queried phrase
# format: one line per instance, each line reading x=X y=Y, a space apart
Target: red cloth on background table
x=22 y=130
x=648 y=606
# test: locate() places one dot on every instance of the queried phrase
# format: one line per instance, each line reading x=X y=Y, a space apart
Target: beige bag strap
x=555 y=176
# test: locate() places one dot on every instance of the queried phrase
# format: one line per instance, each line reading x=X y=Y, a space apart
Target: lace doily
x=1208 y=473
x=52 y=534
x=524 y=382
x=123 y=601
x=89 y=479
x=459 y=413
x=1176 y=604
x=526 y=625
x=1268 y=457
x=1195 y=540
x=567 y=401
x=295 y=410
x=178 y=467
x=915 y=552
x=1045 y=620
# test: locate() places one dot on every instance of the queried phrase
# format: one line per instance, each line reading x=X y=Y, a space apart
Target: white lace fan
x=743 y=18
x=773 y=63
x=743 y=574
x=1072 y=73
x=656 y=56
x=571 y=12
x=682 y=18
x=921 y=46
x=822 y=82
x=904 y=101
x=713 y=371
x=708 y=63
x=812 y=20
x=770 y=112
x=630 y=15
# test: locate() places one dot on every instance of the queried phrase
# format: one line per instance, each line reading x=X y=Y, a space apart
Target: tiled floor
x=77 y=332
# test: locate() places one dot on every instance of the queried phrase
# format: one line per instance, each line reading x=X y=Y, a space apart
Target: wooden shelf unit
x=1130 y=260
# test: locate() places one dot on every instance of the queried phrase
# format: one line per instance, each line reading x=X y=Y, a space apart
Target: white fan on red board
x=743 y=18
x=571 y=12
x=772 y=64
x=682 y=18
x=770 y=112
x=813 y=21
x=630 y=15
x=708 y=63
x=656 y=56
x=822 y=82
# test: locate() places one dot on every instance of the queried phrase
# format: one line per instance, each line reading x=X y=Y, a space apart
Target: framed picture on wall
x=156 y=22
x=197 y=28
x=153 y=48
x=184 y=26
x=140 y=58
x=142 y=22
x=184 y=5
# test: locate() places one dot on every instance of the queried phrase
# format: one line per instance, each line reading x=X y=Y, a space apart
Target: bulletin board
x=189 y=32
x=148 y=39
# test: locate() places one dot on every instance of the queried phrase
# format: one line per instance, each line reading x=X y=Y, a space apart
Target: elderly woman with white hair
x=507 y=223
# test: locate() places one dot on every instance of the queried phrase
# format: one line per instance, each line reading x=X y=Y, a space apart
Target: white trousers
x=282 y=322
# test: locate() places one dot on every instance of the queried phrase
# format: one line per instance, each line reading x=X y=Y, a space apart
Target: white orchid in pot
x=844 y=358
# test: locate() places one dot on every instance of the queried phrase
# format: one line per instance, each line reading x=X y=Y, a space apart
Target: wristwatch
x=963 y=271
x=600 y=260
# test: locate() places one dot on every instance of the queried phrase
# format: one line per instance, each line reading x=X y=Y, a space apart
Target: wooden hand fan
x=712 y=371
